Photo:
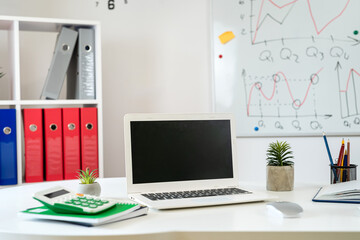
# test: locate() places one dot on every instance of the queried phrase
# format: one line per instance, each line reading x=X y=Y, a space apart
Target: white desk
x=241 y=221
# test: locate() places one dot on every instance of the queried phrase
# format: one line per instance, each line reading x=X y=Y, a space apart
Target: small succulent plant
x=279 y=154
x=87 y=177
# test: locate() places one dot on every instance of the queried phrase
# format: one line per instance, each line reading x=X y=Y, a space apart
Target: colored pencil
x=341 y=153
x=348 y=152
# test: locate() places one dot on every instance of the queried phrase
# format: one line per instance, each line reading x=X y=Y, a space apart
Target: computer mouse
x=285 y=209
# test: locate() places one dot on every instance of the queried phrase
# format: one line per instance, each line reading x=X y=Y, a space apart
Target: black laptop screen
x=167 y=151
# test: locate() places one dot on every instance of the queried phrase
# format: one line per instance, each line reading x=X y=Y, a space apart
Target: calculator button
x=91 y=201
x=99 y=203
x=92 y=206
x=77 y=202
x=84 y=204
x=105 y=201
x=82 y=200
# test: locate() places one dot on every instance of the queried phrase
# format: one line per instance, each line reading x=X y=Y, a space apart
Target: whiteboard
x=288 y=67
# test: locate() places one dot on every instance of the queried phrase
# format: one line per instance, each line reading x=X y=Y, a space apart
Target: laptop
x=183 y=160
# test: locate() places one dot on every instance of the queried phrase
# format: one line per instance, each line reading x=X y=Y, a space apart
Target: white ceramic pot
x=90 y=189
x=280 y=178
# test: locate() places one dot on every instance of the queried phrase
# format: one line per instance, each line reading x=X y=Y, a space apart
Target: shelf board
x=50 y=25
x=7 y=102
x=49 y=102
x=59 y=102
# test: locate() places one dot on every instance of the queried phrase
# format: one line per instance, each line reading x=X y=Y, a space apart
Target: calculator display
x=56 y=193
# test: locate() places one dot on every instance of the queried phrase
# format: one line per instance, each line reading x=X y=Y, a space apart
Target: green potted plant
x=280 y=168
x=88 y=184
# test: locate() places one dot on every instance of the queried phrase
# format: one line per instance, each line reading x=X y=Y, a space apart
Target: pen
x=330 y=158
x=346 y=157
x=328 y=149
x=343 y=174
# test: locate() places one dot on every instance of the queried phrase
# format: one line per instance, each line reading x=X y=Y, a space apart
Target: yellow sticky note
x=226 y=36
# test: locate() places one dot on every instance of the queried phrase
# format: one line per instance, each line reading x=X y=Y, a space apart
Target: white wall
x=156 y=58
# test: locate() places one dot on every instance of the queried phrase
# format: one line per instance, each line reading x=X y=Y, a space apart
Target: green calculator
x=62 y=200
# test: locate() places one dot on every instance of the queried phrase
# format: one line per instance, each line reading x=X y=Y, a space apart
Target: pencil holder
x=342 y=173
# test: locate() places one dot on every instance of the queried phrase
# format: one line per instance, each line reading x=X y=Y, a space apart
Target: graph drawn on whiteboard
x=288 y=67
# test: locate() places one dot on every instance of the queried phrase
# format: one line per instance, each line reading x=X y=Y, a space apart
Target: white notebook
x=340 y=192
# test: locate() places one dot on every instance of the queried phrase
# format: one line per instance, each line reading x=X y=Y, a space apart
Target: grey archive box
x=64 y=49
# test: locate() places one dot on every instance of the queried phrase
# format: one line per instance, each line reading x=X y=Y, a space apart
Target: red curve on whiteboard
x=287 y=4
x=274 y=87
x=347 y=83
x=311 y=14
x=333 y=19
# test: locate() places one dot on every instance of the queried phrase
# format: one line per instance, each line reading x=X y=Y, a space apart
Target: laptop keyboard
x=194 y=194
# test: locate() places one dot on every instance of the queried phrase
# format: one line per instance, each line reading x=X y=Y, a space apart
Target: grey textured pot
x=280 y=178
x=90 y=189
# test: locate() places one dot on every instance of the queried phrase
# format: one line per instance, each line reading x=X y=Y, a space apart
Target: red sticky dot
x=220 y=56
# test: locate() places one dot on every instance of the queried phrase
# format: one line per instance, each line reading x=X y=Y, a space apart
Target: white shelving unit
x=14 y=26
